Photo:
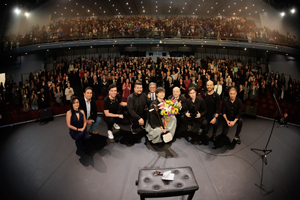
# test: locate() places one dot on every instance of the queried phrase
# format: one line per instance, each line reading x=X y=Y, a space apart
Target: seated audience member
x=155 y=121
x=69 y=92
x=195 y=112
x=253 y=91
x=212 y=100
x=34 y=101
x=232 y=110
x=152 y=90
x=112 y=111
x=88 y=105
x=137 y=105
x=283 y=120
x=76 y=122
x=182 y=104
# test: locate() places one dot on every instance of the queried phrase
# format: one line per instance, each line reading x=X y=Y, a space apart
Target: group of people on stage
x=195 y=116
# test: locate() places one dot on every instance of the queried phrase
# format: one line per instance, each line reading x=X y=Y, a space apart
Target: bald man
x=212 y=100
x=182 y=104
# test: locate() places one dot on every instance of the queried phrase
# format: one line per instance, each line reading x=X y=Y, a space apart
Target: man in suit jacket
x=182 y=104
x=89 y=107
x=151 y=93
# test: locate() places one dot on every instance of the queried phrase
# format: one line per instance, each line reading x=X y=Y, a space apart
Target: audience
x=220 y=28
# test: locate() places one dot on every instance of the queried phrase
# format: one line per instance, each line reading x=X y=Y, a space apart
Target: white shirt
x=88 y=108
x=282 y=94
x=152 y=96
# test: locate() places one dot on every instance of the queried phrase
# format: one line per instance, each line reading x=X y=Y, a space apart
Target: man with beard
x=137 y=105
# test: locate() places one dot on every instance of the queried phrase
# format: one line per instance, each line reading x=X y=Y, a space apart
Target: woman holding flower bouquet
x=161 y=124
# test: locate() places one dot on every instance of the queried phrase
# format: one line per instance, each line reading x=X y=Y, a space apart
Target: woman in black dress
x=240 y=93
x=76 y=122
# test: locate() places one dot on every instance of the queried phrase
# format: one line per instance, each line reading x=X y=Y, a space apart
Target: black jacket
x=200 y=106
x=82 y=106
x=153 y=119
x=136 y=105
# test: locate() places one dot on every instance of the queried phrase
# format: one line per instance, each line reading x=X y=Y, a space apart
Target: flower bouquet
x=168 y=109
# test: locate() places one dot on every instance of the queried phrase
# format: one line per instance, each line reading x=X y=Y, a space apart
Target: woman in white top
x=69 y=92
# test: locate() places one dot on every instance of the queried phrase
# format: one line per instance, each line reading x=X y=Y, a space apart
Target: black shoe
x=237 y=139
x=213 y=138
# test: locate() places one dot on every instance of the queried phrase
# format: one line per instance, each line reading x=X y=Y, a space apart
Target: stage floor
x=41 y=162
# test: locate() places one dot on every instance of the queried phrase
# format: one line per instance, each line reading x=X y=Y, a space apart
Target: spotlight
x=26 y=14
x=293 y=10
x=282 y=14
x=17 y=11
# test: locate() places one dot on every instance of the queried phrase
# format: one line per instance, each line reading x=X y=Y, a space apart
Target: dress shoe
x=93 y=132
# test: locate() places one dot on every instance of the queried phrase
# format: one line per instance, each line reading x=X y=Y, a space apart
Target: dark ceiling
x=74 y=8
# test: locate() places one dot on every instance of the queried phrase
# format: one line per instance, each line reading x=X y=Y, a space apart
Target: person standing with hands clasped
x=232 y=110
x=76 y=122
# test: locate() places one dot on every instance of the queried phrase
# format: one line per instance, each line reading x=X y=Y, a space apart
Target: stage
x=41 y=162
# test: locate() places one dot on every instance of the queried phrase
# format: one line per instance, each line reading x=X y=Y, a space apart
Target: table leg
x=191 y=195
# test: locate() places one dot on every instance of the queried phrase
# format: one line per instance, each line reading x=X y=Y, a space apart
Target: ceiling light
x=130 y=11
x=246 y=8
x=104 y=11
x=196 y=9
x=185 y=3
x=249 y=13
x=169 y=6
x=76 y=4
x=282 y=14
x=54 y=12
x=293 y=10
x=77 y=13
x=95 y=3
x=199 y=5
x=253 y=5
x=88 y=10
x=223 y=10
x=91 y=46
x=228 y=6
x=26 y=14
x=71 y=10
x=129 y=8
x=234 y=3
x=17 y=11
x=62 y=14
x=126 y=3
x=171 y=2
x=65 y=8
x=193 y=13
x=93 y=14
x=57 y=5
x=240 y=10
x=245 y=49
x=263 y=10
x=169 y=10
x=208 y=11
x=143 y=10
x=82 y=6
x=113 y=5
x=141 y=2
x=233 y=13
x=216 y=2
x=156 y=10
x=100 y=8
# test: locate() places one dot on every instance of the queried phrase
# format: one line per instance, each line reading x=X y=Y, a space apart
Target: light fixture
x=245 y=49
x=282 y=14
x=126 y=3
x=246 y=8
x=26 y=14
x=82 y=6
x=293 y=10
x=144 y=11
x=88 y=10
x=17 y=11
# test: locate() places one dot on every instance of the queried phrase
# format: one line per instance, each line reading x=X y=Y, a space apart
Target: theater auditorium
x=138 y=99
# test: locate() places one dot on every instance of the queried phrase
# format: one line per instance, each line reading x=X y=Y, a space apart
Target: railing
x=11 y=44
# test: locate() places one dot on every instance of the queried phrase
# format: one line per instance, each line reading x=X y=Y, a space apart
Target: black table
x=151 y=186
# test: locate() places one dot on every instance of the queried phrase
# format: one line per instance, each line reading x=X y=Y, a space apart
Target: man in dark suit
x=151 y=93
x=89 y=107
x=182 y=104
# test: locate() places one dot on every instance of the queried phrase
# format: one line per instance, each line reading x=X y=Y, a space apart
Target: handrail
x=151 y=35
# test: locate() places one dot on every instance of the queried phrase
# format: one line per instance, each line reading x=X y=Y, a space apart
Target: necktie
x=152 y=97
x=217 y=89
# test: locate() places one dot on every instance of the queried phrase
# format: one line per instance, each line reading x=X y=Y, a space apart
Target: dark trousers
x=197 y=122
x=215 y=126
x=135 y=122
x=111 y=120
x=79 y=137
x=238 y=129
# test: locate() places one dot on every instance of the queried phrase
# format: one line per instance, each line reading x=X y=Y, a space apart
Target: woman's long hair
x=72 y=102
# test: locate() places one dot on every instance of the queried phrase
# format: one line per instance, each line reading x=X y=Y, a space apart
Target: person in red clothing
x=126 y=88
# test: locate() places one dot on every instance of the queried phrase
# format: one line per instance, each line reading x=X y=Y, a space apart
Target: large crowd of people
x=138 y=80
x=220 y=28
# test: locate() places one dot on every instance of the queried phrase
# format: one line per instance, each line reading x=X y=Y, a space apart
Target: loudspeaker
x=251 y=111
x=46 y=114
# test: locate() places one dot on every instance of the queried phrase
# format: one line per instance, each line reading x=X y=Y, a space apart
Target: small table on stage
x=152 y=186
